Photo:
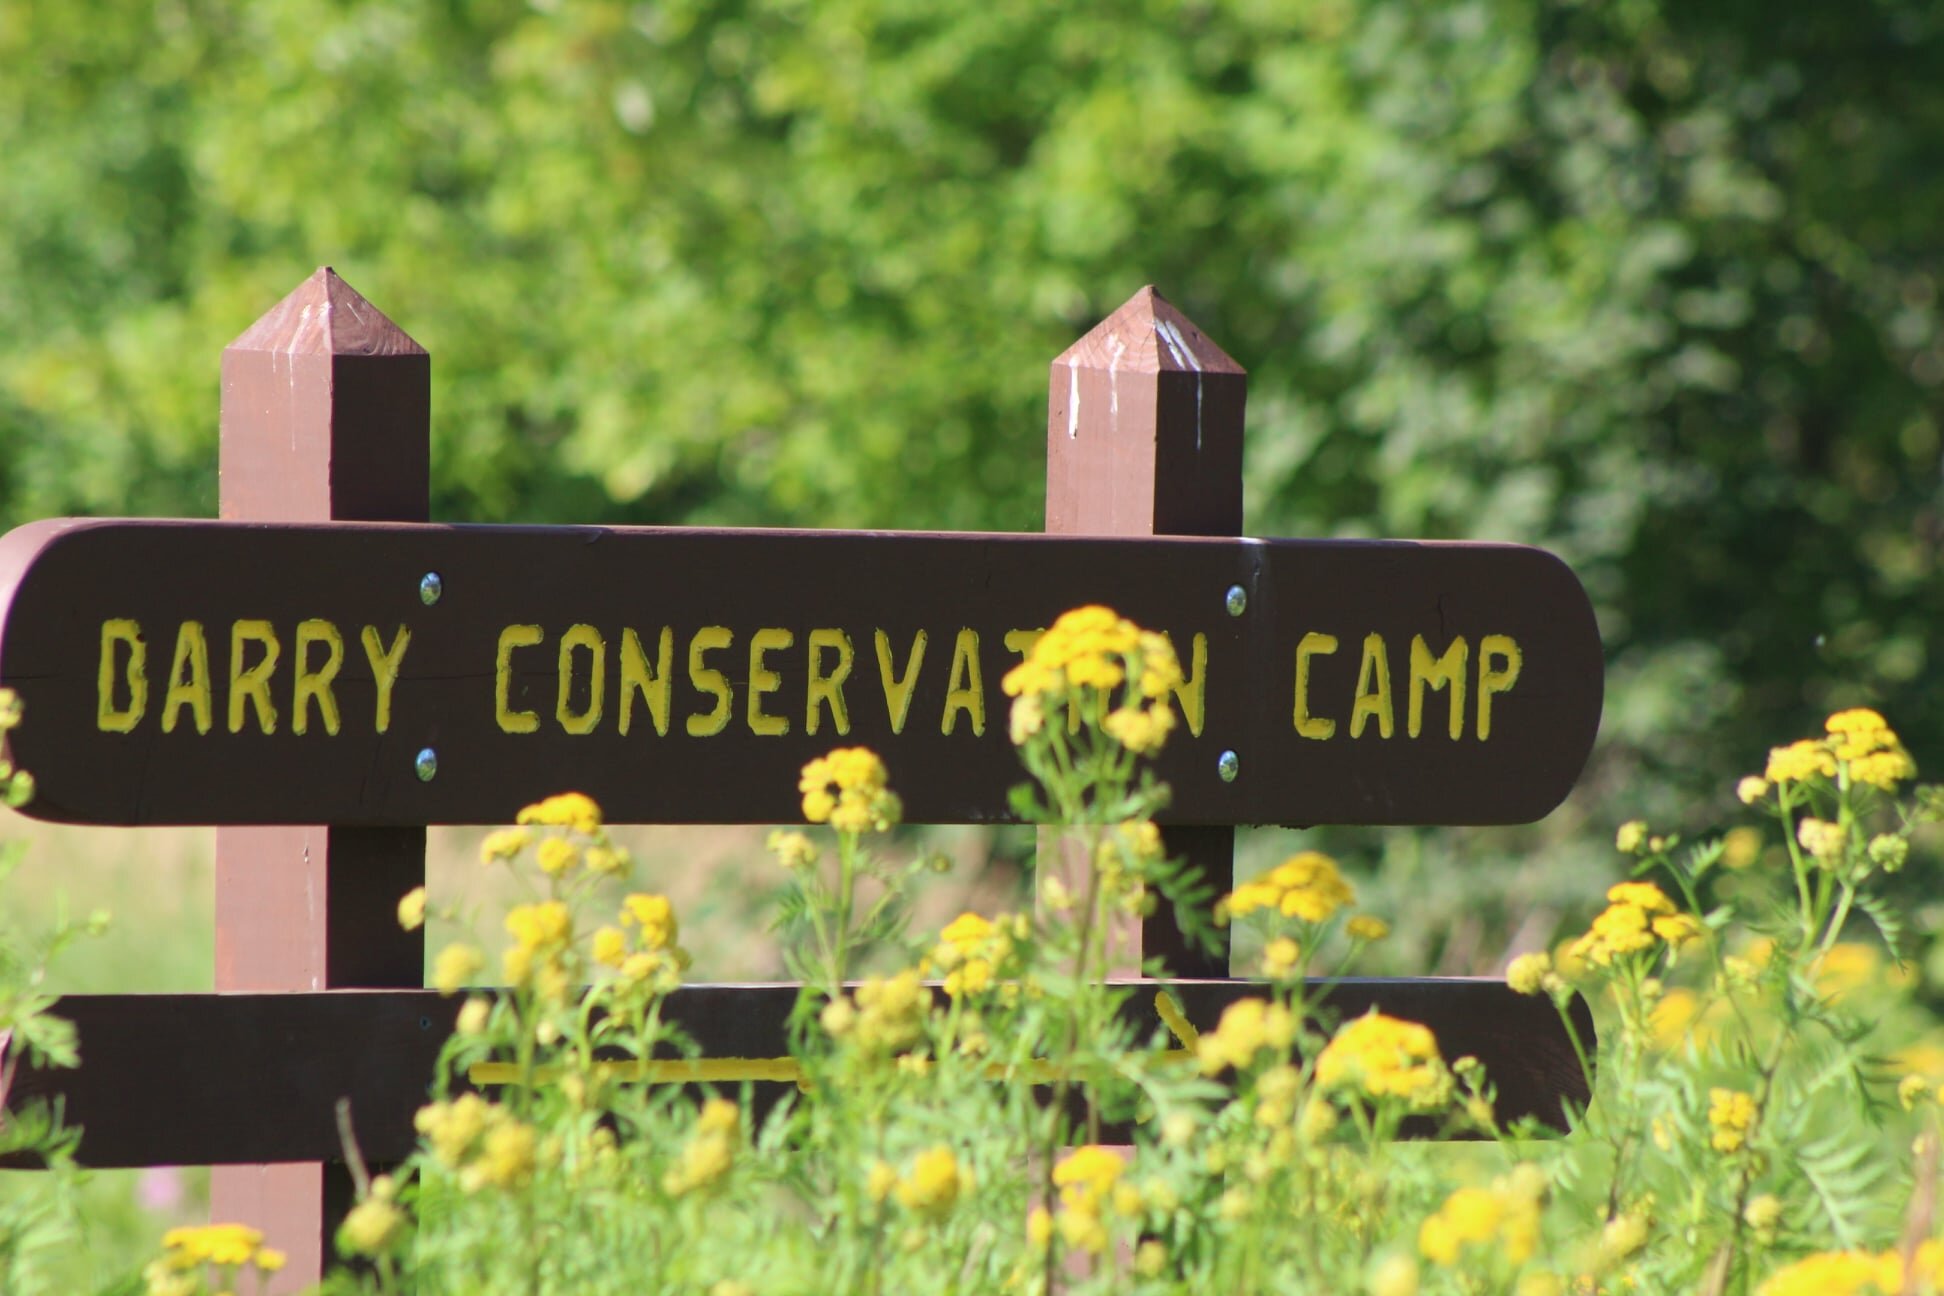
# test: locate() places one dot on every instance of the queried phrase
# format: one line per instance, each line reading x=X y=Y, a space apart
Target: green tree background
x=1654 y=285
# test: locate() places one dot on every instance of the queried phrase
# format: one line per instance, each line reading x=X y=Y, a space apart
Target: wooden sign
x=398 y=674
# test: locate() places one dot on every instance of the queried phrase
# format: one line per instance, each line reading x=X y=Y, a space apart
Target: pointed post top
x=326 y=316
x=1148 y=335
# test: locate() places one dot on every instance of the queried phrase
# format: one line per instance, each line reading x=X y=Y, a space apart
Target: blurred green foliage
x=1652 y=284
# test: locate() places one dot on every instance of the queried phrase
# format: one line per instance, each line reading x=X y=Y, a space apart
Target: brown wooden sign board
x=262 y=1081
x=239 y=673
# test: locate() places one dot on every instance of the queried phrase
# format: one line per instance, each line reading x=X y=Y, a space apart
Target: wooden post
x=1144 y=437
x=326 y=416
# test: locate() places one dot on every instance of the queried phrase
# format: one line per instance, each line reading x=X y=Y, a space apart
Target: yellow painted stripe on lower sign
x=785 y=1069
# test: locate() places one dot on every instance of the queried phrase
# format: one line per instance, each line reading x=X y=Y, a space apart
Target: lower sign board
x=393 y=674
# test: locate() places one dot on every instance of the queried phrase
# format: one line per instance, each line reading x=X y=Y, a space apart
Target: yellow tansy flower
x=455 y=966
x=1382 y=1057
x=792 y=849
x=567 y=810
x=1306 y=886
x=610 y=947
x=1504 y=1216
x=1367 y=927
x=1526 y=974
x=411 y=909
x=557 y=856
x=1139 y=729
x=970 y=951
x=503 y=845
x=847 y=790
x=710 y=1149
x=655 y=915
x=1801 y=760
x=1281 y=957
x=1247 y=1027
x=371 y=1227
x=1731 y=1114
x=934 y=1184
x=539 y=926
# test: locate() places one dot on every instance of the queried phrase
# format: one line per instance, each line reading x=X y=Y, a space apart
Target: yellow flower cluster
x=411 y=909
x=1504 y=1217
x=540 y=926
x=504 y=845
x=655 y=915
x=1247 y=1027
x=374 y=1225
x=1087 y=1182
x=1140 y=729
x=1095 y=648
x=559 y=855
x=1282 y=958
x=567 y=810
x=1306 y=886
x=541 y=933
x=1366 y=927
x=1869 y=748
x=1382 y=1057
x=1822 y=839
x=847 y=790
x=886 y=1015
x=792 y=849
x=1731 y=1114
x=1858 y=741
x=1638 y=915
x=1528 y=973
x=487 y=1145
x=456 y=965
x=1089 y=647
x=935 y=1183
x=971 y=950
x=655 y=954
x=1855 y=1273
x=186 y=1250
x=710 y=1150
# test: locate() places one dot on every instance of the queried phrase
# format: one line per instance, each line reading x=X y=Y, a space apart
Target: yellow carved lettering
x=764 y=680
x=1373 y=690
x=315 y=685
x=252 y=684
x=1313 y=644
x=1495 y=679
x=1022 y=641
x=637 y=677
x=385 y=665
x=585 y=637
x=109 y=718
x=709 y=681
x=828 y=690
x=1447 y=670
x=897 y=692
x=188 y=679
x=964 y=688
x=511 y=638
x=1191 y=694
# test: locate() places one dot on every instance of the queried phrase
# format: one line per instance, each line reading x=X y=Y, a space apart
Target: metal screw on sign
x=426 y=763
x=1236 y=600
x=430 y=588
x=1228 y=765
